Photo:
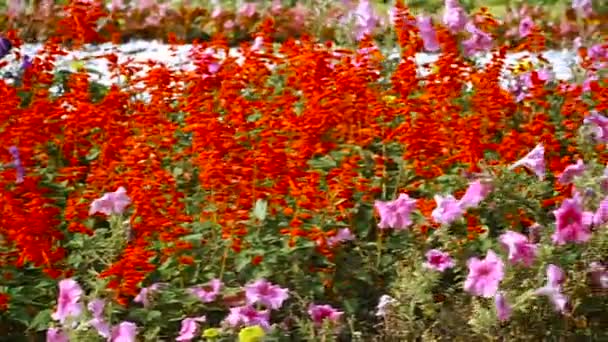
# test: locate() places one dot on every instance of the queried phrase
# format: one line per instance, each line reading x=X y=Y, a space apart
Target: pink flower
x=438 y=260
x=553 y=288
x=343 y=235
x=146 y=293
x=572 y=223
x=98 y=322
x=320 y=313
x=448 y=209
x=68 y=303
x=56 y=335
x=124 y=332
x=520 y=249
x=479 y=41
x=533 y=161
x=476 y=192
x=189 y=328
x=248 y=316
x=601 y=214
x=484 y=275
x=248 y=10
x=383 y=304
x=396 y=214
x=265 y=293
x=585 y=6
x=571 y=171
x=428 y=33
x=207 y=293
x=503 y=309
x=111 y=203
x=365 y=19
x=454 y=16
x=600 y=124
x=525 y=26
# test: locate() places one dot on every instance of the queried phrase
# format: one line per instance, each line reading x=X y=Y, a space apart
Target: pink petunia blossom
x=533 y=161
x=520 y=249
x=383 y=304
x=601 y=214
x=56 y=335
x=525 y=26
x=438 y=260
x=484 y=275
x=600 y=126
x=320 y=313
x=454 y=16
x=479 y=41
x=343 y=235
x=248 y=316
x=207 y=293
x=189 y=329
x=571 y=171
x=447 y=211
x=475 y=193
x=572 y=223
x=68 y=302
x=98 y=322
x=503 y=309
x=265 y=293
x=553 y=288
x=584 y=6
x=396 y=214
x=248 y=9
x=427 y=33
x=124 y=332
x=111 y=203
x=146 y=293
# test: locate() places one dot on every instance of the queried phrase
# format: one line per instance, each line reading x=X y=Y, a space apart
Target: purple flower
x=27 y=62
x=5 y=47
x=14 y=151
x=520 y=249
x=98 y=322
x=571 y=171
x=365 y=19
x=68 y=302
x=396 y=214
x=343 y=234
x=600 y=126
x=383 y=304
x=438 y=260
x=585 y=6
x=265 y=293
x=124 y=332
x=503 y=309
x=479 y=41
x=448 y=209
x=525 y=26
x=553 y=288
x=56 y=335
x=428 y=33
x=533 y=161
x=208 y=292
x=454 y=16
x=248 y=316
x=572 y=223
x=320 y=313
x=146 y=293
x=598 y=52
x=111 y=203
x=189 y=329
x=484 y=275
x=475 y=193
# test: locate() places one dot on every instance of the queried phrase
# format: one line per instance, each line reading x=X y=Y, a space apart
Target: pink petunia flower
x=265 y=293
x=146 y=293
x=438 y=260
x=503 y=309
x=124 y=332
x=320 y=313
x=383 y=304
x=520 y=249
x=56 y=335
x=208 y=292
x=248 y=316
x=189 y=329
x=454 y=16
x=571 y=171
x=600 y=126
x=111 y=203
x=533 y=161
x=525 y=26
x=447 y=211
x=479 y=41
x=484 y=275
x=98 y=322
x=427 y=33
x=68 y=302
x=475 y=193
x=343 y=235
x=601 y=214
x=396 y=214
x=553 y=288
x=572 y=223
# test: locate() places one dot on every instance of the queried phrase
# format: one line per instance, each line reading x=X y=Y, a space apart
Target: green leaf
x=41 y=321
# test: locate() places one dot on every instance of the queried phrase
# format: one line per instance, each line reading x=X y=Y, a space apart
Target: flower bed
x=311 y=192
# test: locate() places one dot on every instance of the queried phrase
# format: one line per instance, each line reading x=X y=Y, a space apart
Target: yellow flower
x=522 y=66
x=389 y=98
x=251 y=334
x=211 y=333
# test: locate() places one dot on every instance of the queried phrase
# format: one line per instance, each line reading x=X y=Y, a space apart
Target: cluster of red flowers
x=254 y=132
